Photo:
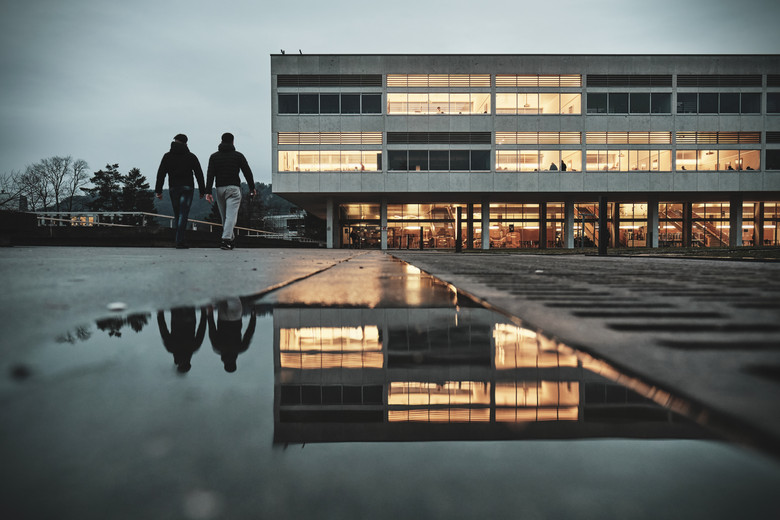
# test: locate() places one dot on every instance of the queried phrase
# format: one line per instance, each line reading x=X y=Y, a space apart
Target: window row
x=438 y=103
x=718 y=103
x=718 y=160
x=629 y=103
x=525 y=160
x=330 y=160
x=330 y=103
x=438 y=160
x=538 y=103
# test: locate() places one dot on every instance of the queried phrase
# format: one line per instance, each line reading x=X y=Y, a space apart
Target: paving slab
x=705 y=330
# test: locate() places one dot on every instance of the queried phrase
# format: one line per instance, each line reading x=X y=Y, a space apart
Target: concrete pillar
x=542 y=225
x=758 y=224
x=568 y=224
x=652 y=222
x=330 y=223
x=687 y=224
x=735 y=220
x=485 y=224
x=383 y=224
x=470 y=226
x=603 y=228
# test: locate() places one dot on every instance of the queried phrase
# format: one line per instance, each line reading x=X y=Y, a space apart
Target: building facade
x=528 y=151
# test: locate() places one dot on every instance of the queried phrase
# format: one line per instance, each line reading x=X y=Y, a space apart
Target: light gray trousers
x=228 y=201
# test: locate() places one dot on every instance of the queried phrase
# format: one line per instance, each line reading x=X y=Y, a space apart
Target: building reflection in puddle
x=449 y=373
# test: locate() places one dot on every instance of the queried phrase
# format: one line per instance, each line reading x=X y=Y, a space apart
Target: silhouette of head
x=230 y=364
x=181 y=138
x=227 y=137
x=183 y=367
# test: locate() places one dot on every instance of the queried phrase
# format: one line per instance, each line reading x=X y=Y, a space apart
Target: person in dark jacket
x=180 y=165
x=185 y=337
x=224 y=165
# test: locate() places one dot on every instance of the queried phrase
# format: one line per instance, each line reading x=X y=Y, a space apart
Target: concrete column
x=485 y=224
x=687 y=224
x=383 y=223
x=330 y=223
x=758 y=224
x=603 y=229
x=652 y=222
x=568 y=224
x=470 y=226
x=542 y=225
x=735 y=220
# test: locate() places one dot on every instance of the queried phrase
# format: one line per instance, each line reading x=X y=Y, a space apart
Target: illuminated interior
x=718 y=160
x=629 y=160
x=517 y=347
x=438 y=103
x=538 y=160
x=524 y=103
x=329 y=160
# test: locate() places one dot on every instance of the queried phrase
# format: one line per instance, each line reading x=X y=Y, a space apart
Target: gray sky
x=113 y=81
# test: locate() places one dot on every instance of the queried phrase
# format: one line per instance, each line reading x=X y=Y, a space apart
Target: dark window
x=350 y=103
x=686 y=103
x=729 y=103
x=640 y=103
x=661 y=103
x=480 y=160
x=708 y=103
x=773 y=102
x=288 y=103
x=397 y=160
x=597 y=103
x=751 y=103
x=773 y=159
x=329 y=104
x=310 y=103
x=440 y=160
x=418 y=160
x=618 y=103
x=459 y=160
x=372 y=103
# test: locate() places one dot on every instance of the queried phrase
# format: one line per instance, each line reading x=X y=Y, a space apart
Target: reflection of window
x=773 y=159
x=538 y=160
x=629 y=160
x=718 y=160
x=331 y=347
x=773 y=102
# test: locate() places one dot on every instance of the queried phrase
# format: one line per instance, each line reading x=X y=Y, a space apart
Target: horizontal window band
x=335 y=138
x=718 y=137
x=438 y=138
x=329 y=80
x=719 y=80
x=629 y=80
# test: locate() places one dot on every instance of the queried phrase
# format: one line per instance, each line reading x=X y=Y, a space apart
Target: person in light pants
x=224 y=166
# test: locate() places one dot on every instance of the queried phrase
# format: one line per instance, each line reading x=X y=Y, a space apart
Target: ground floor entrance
x=555 y=224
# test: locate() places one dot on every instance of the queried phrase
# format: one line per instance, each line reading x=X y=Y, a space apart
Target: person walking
x=224 y=165
x=180 y=165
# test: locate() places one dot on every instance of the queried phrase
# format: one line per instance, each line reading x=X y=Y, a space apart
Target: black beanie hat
x=181 y=138
x=227 y=137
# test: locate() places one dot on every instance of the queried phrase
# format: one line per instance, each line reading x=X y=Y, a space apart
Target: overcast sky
x=113 y=81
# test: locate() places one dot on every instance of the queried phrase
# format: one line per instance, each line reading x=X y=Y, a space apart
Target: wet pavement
x=348 y=384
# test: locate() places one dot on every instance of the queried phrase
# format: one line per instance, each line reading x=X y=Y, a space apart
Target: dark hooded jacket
x=224 y=166
x=180 y=165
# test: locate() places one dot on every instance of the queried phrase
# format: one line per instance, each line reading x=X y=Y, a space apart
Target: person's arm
x=201 y=332
x=250 y=331
x=250 y=180
x=199 y=175
x=210 y=179
x=161 y=172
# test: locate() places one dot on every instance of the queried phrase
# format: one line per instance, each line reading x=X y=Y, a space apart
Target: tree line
x=61 y=184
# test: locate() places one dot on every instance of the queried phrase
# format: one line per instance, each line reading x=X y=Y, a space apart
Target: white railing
x=109 y=218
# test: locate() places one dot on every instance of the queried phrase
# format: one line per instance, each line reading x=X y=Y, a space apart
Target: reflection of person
x=224 y=165
x=184 y=337
x=354 y=239
x=225 y=334
x=563 y=166
x=180 y=165
x=553 y=168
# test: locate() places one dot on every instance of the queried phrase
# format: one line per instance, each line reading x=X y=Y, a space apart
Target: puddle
x=353 y=410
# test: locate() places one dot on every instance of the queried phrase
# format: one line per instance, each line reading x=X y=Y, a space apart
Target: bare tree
x=35 y=186
x=78 y=179
x=10 y=187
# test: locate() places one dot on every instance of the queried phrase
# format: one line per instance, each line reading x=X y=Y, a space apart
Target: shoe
x=182 y=245
x=227 y=245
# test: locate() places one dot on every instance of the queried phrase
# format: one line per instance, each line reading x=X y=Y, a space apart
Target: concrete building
x=528 y=151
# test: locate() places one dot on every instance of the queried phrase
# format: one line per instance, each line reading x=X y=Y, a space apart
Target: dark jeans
x=181 y=199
